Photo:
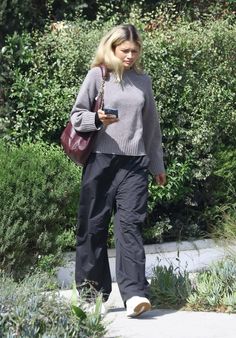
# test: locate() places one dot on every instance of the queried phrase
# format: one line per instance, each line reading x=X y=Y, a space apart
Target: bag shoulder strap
x=100 y=97
x=104 y=71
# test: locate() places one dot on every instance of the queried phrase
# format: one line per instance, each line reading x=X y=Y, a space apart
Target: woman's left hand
x=160 y=179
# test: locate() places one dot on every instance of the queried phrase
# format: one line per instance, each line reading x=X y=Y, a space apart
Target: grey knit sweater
x=138 y=130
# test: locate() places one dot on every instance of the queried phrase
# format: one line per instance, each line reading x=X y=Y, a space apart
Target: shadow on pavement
x=155 y=313
x=146 y=315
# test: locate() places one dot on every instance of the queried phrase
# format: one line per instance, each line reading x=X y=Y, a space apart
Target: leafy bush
x=192 y=68
x=158 y=13
x=225 y=219
x=169 y=287
x=27 y=310
x=28 y=15
x=221 y=208
x=42 y=76
x=192 y=80
x=39 y=193
x=19 y=15
x=225 y=172
x=210 y=290
x=215 y=289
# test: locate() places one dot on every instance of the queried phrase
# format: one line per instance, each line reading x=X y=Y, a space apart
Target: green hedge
x=17 y=15
x=192 y=67
x=28 y=15
x=39 y=191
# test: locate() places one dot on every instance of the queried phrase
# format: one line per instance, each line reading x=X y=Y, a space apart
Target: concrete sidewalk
x=166 y=323
x=163 y=323
x=171 y=324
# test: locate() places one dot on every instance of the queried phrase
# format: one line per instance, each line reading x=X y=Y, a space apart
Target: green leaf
x=78 y=312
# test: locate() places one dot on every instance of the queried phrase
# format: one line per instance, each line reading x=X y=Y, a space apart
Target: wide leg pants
x=113 y=183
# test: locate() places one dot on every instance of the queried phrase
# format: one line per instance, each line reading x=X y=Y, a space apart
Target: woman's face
x=128 y=53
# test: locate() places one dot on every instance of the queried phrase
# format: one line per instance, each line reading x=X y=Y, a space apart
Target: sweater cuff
x=87 y=123
x=157 y=167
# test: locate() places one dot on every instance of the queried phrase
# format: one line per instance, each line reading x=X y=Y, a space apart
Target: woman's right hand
x=106 y=119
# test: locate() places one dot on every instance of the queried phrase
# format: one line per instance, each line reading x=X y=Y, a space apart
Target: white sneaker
x=136 y=305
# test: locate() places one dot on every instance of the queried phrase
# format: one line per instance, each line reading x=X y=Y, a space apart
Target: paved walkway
x=167 y=323
x=164 y=323
x=171 y=324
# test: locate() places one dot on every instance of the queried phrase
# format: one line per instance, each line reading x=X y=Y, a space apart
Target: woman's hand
x=160 y=179
x=106 y=119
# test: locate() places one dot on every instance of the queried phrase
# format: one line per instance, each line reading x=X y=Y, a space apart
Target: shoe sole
x=139 y=309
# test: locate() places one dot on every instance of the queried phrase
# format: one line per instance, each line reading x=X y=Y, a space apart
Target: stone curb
x=193 y=256
x=175 y=246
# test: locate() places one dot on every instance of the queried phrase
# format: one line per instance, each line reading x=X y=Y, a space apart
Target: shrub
x=169 y=287
x=42 y=76
x=215 y=289
x=225 y=173
x=192 y=81
x=192 y=68
x=225 y=219
x=27 y=310
x=210 y=290
x=28 y=15
x=39 y=193
x=221 y=208
x=18 y=15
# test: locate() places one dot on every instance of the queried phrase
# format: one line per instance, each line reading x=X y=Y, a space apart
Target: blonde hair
x=105 y=52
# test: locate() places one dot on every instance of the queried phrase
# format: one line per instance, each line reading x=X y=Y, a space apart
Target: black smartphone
x=111 y=111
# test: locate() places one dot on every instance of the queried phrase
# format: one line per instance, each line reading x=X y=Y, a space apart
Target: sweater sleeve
x=152 y=133
x=82 y=118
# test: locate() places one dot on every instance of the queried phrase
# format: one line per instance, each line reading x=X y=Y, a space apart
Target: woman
x=115 y=177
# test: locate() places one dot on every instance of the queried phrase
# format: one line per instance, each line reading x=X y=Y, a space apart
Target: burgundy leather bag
x=76 y=144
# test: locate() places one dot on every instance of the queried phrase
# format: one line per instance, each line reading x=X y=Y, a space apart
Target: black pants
x=119 y=183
